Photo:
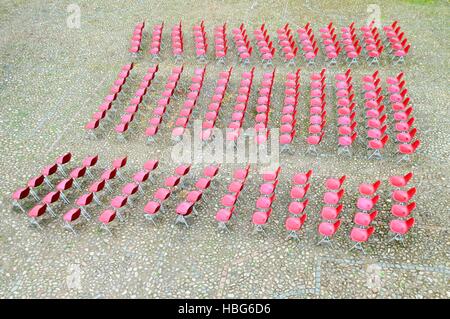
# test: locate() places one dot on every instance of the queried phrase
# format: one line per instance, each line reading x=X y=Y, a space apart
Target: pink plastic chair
x=89 y=162
x=331 y=213
x=359 y=236
x=151 y=210
x=130 y=190
x=364 y=219
x=366 y=204
x=118 y=164
x=335 y=184
x=327 y=230
x=302 y=178
x=49 y=199
x=403 y=211
x=407 y=150
x=313 y=141
x=299 y=192
x=106 y=218
x=402 y=196
x=267 y=189
x=369 y=189
x=377 y=145
x=64 y=185
x=18 y=195
x=36 y=212
x=293 y=225
x=82 y=202
x=183 y=210
x=71 y=216
x=260 y=218
x=297 y=208
x=63 y=160
x=400 y=228
x=223 y=216
x=78 y=173
x=48 y=171
x=119 y=203
x=333 y=198
x=34 y=183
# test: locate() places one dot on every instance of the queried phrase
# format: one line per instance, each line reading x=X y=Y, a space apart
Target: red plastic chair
x=18 y=195
x=327 y=230
x=293 y=225
x=360 y=236
x=106 y=218
x=400 y=228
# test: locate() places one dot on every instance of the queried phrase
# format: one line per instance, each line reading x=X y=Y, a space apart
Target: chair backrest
x=336 y=225
x=410 y=222
x=375 y=199
x=370 y=231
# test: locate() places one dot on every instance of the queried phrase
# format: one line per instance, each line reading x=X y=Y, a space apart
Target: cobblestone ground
x=52 y=79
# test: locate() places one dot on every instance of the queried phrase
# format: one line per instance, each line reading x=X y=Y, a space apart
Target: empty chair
x=118 y=164
x=63 y=160
x=364 y=219
x=77 y=173
x=376 y=145
x=293 y=225
x=333 y=198
x=302 y=178
x=106 y=218
x=260 y=218
x=119 y=204
x=366 y=204
x=82 y=202
x=400 y=228
x=335 y=184
x=70 y=217
x=265 y=203
x=151 y=165
x=210 y=171
x=64 y=185
x=403 y=196
x=151 y=210
x=49 y=199
x=331 y=213
x=48 y=171
x=183 y=210
x=223 y=216
x=327 y=230
x=298 y=192
x=267 y=189
x=297 y=208
x=407 y=150
x=172 y=181
x=89 y=162
x=34 y=183
x=402 y=211
x=271 y=176
x=360 y=236
x=369 y=189
x=130 y=190
x=18 y=195
x=241 y=174
x=36 y=212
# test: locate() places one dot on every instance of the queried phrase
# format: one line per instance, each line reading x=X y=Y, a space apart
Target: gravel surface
x=53 y=78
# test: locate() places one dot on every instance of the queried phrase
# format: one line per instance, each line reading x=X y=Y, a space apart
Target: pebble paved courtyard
x=54 y=76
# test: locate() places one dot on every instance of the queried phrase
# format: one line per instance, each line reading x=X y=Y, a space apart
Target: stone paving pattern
x=53 y=78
